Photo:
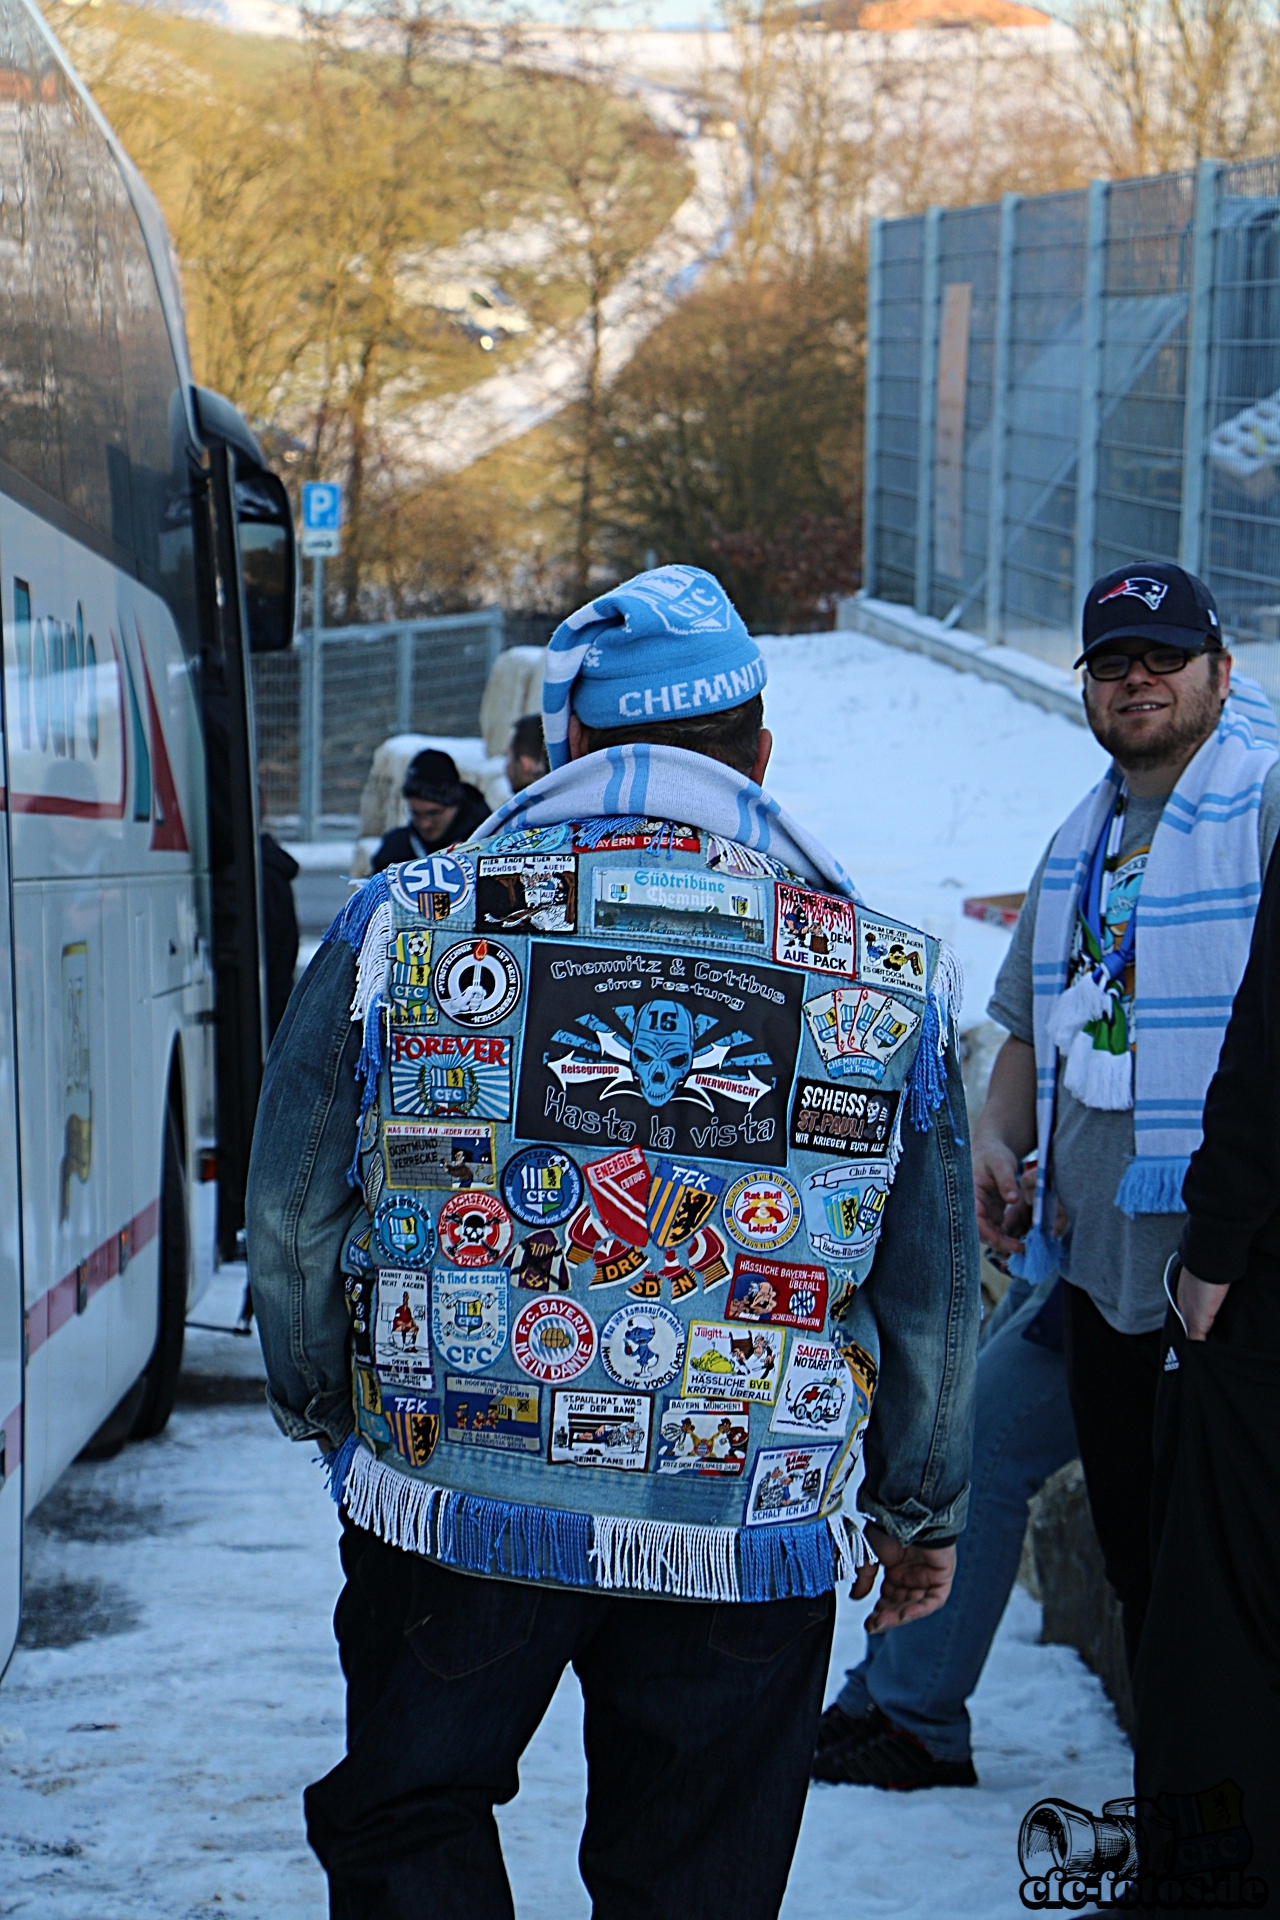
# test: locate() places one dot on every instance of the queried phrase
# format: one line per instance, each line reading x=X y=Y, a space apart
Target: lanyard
x=1097 y=892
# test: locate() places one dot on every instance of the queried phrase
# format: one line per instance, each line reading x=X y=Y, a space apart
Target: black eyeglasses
x=1158 y=660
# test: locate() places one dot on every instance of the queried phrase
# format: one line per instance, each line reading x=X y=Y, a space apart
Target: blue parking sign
x=321 y=517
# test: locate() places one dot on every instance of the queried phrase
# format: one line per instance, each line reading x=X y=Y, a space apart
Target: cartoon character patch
x=890 y=956
x=438 y=1153
x=527 y=893
x=502 y=1414
x=814 y=930
x=704 y=1437
x=402 y=1341
x=642 y=1346
x=786 y=1485
x=600 y=1429
x=733 y=1363
x=780 y=1293
x=817 y=1393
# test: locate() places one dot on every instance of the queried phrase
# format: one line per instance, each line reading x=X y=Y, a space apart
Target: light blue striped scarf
x=1193 y=925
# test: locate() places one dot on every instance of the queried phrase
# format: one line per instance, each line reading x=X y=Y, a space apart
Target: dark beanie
x=432 y=775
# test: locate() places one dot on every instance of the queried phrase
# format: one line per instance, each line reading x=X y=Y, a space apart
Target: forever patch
x=462 y=1074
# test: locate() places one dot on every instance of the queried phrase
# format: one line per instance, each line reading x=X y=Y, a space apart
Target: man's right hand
x=1004 y=1210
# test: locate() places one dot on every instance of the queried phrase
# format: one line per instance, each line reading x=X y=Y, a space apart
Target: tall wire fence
x=1062 y=384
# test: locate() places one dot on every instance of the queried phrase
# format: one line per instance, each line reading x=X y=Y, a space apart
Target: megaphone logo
x=1057 y=1834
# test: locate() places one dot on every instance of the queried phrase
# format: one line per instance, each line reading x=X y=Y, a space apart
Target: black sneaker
x=839 y=1732
x=886 y=1757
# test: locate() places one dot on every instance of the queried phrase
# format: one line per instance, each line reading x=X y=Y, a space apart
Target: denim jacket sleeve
x=299 y=1205
x=925 y=1291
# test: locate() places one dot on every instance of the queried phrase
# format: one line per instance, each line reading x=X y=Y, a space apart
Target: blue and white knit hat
x=664 y=645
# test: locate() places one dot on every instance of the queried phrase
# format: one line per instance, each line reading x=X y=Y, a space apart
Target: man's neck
x=1157 y=783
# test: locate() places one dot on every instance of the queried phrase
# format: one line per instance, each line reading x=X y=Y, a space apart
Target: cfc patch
x=474 y=1228
x=538 y=1264
x=402 y=1231
x=780 y=1293
x=468 y=1317
x=553 y=1340
x=492 y=1413
x=680 y=1056
x=843 y=1209
x=477 y=982
x=681 y=1200
x=703 y=1436
x=817 y=1393
x=527 y=893
x=890 y=956
x=842 y=1120
x=814 y=930
x=601 y=1429
x=733 y=1363
x=438 y=1153
x=542 y=1186
x=679 y=904
x=787 y=1484
x=433 y=887
x=462 y=1074
x=409 y=978
x=642 y=1346
x=414 y=1424
x=401 y=1343
x=762 y=1211
x=858 y=1030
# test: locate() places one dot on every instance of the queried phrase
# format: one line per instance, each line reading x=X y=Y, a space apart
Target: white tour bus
x=144 y=551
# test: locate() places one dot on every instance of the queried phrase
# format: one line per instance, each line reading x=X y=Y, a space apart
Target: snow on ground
x=927 y=784
x=155 y=1743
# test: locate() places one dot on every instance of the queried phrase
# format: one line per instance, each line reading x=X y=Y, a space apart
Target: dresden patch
x=817 y=1393
x=780 y=1293
x=890 y=956
x=469 y=1317
x=553 y=1340
x=464 y=1075
x=642 y=1346
x=843 y=1210
x=477 y=983
x=815 y=931
x=542 y=1186
x=787 y=1484
x=501 y=1414
x=402 y=1341
x=438 y=1153
x=857 y=1030
x=703 y=1437
x=615 y=1260
x=762 y=1212
x=683 y=904
x=402 y=1231
x=733 y=1363
x=842 y=1120
x=414 y=1425
x=474 y=1228
x=527 y=893
x=433 y=887
x=601 y=1429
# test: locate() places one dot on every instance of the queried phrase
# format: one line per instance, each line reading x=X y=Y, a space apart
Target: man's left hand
x=1199 y=1302
x=917 y=1580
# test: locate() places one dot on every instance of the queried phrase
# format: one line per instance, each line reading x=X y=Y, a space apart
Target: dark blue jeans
x=699 y=1730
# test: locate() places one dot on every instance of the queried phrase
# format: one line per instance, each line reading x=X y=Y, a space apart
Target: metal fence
x=317 y=733
x=1064 y=384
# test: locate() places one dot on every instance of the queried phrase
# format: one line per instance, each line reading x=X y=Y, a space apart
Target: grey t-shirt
x=1119 y=1262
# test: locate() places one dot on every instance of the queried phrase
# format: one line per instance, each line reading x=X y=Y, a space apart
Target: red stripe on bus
x=12 y=1430
x=59 y=1304
x=67 y=809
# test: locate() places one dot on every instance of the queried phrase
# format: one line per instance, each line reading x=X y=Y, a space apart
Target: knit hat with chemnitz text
x=664 y=646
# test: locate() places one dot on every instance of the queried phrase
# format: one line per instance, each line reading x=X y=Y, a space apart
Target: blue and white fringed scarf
x=1191 y=932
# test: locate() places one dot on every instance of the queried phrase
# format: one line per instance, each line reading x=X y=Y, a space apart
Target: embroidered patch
x=843 y=1210
x=703 y=1436
x=865 y=1375
x=356 y=1256
x=542 y=1186
x=492 y=1413
x=675 y=838
x=817 y=1393
x=705 y=1255
x=601 y=1429
x=438 y=1153
x=469 y=1317
x=402 y=1230
x=681 y=1199
x=527 y=893
x=680 y=904
x=587 y=1240
x=620 y=1188
x=414 y=1425
x=475 y=1229
x=781 y=1293
x=532 y=839
x=642 y=1346
x=434 y=887
x=466 y=1074
x=553 y=1340
x=842 y=1120
x=733 y=1363
x=787 y=1484
x=762 y=1211
x=477 y=982
x=729 y=856
x=814 y=930
x=674 y=1055
x=373 y=1183
x=402 y=1343
x=890 y=956
x=409 y=978
x=538 y=1264
x=857 y=1030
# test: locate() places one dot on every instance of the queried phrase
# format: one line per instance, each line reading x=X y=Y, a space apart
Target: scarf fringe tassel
x=1042 y=1257
x=352 y=923
x=1098 y=1077
x=1153 y=1185
x=513 y=1540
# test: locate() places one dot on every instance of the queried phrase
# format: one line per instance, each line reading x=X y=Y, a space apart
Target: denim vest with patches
x=633 y=1107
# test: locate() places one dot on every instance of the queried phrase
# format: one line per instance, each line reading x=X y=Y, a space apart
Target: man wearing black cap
x=1115 y=993
x=442 y=811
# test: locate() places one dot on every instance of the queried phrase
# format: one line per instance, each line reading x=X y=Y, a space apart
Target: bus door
x=11 y=1307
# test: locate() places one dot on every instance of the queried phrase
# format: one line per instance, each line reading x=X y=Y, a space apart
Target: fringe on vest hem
x=665 y=1556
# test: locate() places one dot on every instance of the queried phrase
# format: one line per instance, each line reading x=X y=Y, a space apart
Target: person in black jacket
x=279 y=927
x=1207 y=1683
x=442 y=810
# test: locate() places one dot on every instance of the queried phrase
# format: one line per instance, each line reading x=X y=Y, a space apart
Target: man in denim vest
x=600 y=1067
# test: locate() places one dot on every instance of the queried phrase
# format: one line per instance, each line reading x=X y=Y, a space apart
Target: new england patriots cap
x=1151 y=600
